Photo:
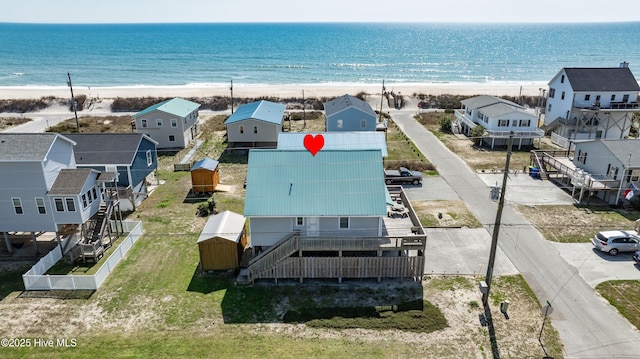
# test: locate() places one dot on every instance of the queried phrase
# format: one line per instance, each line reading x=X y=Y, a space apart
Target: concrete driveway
x=462 y=251
x=595 y=266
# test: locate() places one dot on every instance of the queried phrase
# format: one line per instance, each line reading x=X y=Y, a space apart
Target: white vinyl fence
x=36 y=279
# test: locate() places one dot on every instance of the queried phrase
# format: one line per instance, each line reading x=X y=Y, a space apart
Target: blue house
x=348 y=113
x=255 y=124
x=132 y=156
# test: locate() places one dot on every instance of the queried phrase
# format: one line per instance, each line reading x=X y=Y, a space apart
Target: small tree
x=445 y=124
x=476 y=134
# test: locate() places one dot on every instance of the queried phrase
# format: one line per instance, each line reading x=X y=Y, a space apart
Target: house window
x=344 y=222
x=95 y=193
x=552 y=92
x=584 y=158
x=149 y=158
x=17 y=205
x=525 y=123
x=339 y=123
x=71 y=205
x=255 y=129
x=144 y=123
x=159 y=122
x=172 y=138
x=84 y=201
x=363 y=123
x=241 y=129
x=612 y=171
x=562 y=96
x=562 y=79
x=89 y=196
x=174 y=122
x=549 y=107
x=587 y=97
x=59 y=204
x=625 y=98
x=185 y=120
x=598 y=98
x=613 y=97
x=503 y=123
x=40 y=204
x=299 y=221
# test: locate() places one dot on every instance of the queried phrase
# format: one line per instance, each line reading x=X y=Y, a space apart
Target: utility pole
x=231 y=88
x=496 y=226
x=381 y=98
x=73 y=102
x=304 y=113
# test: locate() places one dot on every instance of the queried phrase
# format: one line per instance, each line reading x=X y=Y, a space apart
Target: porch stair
x=260 y=266
x=540 y=165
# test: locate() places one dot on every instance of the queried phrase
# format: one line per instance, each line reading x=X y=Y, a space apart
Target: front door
x=313 y=224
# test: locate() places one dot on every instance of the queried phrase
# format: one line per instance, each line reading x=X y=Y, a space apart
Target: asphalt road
x=589 y=327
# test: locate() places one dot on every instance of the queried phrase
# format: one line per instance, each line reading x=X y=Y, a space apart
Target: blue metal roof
x=261 y=110
x=205 y=163
x=177 y=106
x=288 y=183
x=357 y=140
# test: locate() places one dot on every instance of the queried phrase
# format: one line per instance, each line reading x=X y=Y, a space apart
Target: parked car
x=636 y=257
x=402 y=175
x=614 y=242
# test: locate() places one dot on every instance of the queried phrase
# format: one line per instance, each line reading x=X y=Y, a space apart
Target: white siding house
x=498 y=117
x=591 y=103
x=172 y=123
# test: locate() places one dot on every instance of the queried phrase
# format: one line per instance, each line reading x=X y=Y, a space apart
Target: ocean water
x=34 y=55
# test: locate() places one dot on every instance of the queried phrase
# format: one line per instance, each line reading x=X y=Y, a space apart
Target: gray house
x=348 y=113
x=607 y=168
x=255 y=124
x=172 y=123
x=41 y=190
x=325 y=194
x=132 y=156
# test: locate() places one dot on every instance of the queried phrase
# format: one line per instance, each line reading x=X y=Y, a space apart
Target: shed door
x=312 y=226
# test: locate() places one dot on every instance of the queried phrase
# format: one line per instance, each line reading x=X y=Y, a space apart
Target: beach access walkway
x=588 y=326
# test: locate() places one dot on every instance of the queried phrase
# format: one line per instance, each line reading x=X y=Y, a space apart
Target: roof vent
x=624 y=64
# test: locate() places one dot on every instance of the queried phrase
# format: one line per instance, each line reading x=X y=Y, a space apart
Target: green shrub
x=445 y=124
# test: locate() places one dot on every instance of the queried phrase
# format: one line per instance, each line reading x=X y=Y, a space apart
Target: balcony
x=598 y=106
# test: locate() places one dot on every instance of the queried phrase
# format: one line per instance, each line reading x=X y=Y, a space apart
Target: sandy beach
x=281 y=91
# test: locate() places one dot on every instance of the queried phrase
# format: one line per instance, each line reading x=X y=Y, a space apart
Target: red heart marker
x=313 y=144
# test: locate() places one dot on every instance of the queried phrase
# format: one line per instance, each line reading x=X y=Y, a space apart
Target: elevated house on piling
x=591 y=103
x=328 y=216
x=43 y=192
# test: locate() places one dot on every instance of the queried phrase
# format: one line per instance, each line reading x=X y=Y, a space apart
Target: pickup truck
x=403 y=175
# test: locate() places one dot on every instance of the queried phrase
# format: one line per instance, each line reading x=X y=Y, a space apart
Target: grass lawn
x=623 y=294
x=445 y=214
x=578 y=223
x=88 y=268
x=402 y=152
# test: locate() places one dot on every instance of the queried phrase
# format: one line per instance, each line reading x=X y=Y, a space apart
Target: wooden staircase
x=540 y=165
x=264 y=263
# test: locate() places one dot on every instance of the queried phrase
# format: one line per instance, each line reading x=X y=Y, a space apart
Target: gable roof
x=356 y=140
x=227 y=225
x=263 y=110
x=626 y=151
x=177 y=106
x=107 y=148
x=288 y=183
x=601 y=79
x=70 y=181
x=486 y=100
x=500 y=109
x=205 y=163
x=27 y=147
x=345 y=101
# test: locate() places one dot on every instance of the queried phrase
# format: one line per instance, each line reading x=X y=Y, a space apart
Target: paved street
x=588 y=325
